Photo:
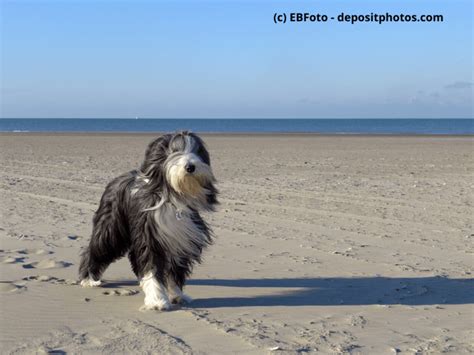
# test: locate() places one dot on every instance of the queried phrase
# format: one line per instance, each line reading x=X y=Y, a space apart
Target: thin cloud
x=459 y=85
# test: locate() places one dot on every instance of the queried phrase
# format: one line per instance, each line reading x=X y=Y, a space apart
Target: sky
x=228 y=59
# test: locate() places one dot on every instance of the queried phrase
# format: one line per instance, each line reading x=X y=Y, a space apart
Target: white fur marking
x=135 y=189
x=143 y=177
x=190 y=142
x=155 y=294
x=90 y=283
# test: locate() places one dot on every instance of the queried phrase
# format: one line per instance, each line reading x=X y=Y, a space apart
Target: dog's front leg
x=156 y=297
x=176 y=294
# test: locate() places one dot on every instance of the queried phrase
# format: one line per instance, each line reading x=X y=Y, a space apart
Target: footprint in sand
x=73 y=237
x=47 y=264
x=51 y=279
x=16 y=256
x=124 y=292
x=39 y=251
x=17 y=251
x=9 y=287
x=24 y=251
x=13 y=260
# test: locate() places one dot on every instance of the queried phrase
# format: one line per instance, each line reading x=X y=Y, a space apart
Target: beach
x=324 y=243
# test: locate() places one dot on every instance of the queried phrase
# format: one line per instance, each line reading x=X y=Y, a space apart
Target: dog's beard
x=186 y=184
x=190 y=185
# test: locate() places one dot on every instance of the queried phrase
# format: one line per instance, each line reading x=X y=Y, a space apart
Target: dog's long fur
x=153 y=215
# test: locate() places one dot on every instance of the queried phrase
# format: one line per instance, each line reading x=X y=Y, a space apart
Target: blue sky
x=227 y=59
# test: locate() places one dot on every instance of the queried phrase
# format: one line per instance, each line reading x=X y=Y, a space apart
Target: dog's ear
x=155 y=154
x=202 y=149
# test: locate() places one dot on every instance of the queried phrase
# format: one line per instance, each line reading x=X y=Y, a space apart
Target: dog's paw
x=181 y=299
x=90 y=283
x=156 y=306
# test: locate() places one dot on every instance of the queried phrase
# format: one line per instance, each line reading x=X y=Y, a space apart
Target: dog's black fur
x=126 y=220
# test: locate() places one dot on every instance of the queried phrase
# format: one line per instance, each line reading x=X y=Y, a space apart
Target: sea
x=322 y=126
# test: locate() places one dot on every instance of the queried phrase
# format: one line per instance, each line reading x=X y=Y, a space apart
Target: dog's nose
x=190 y=168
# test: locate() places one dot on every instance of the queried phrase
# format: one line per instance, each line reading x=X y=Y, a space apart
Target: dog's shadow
x=342 y=291
x=119 y=284
x=336 y=291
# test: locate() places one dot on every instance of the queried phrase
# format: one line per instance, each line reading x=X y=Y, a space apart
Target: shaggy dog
x=153 y=215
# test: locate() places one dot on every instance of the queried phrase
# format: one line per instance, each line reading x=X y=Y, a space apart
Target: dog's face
x=183 y=161
x=187 y=166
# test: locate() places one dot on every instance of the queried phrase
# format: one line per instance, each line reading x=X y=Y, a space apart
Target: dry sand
x=336 y=244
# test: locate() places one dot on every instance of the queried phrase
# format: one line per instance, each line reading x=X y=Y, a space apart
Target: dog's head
x=181 y=163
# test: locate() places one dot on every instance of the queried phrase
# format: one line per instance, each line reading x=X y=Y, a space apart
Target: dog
x=153 y=214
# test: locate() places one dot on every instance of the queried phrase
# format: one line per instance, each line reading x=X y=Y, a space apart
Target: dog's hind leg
x=92 y=266
x=90 y=270
x=108 y=243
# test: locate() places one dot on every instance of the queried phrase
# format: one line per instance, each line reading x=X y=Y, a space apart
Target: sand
x=336 y=244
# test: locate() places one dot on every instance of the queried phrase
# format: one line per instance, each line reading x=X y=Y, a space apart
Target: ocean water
x=333 y=126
